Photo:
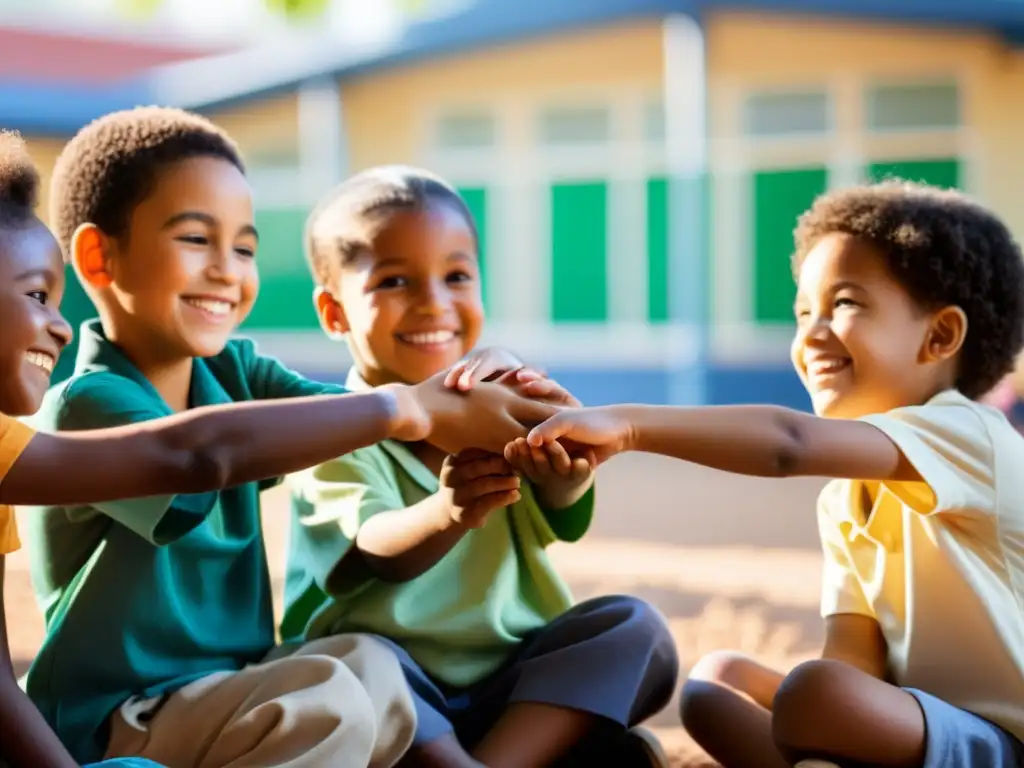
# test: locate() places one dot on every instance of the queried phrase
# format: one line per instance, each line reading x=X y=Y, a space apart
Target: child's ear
x=946 y=334
x=89 y=258
x=331 y=315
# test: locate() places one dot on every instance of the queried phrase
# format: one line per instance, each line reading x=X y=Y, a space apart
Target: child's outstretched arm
x=25 y=737
x=221 y=446
x=761 y=440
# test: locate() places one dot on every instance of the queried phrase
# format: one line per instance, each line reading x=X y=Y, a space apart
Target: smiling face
x=863 y=345
x=410 y=300
x=32 y=331
x=183 y=277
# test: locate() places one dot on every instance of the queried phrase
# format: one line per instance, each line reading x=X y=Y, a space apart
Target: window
x=913 y=107
x=654 y=123
x=567 y=126
x=466 y=130
x=786 y=113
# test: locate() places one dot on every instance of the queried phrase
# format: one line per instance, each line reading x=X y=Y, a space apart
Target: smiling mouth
x=214 y=307
x=427 y=338
x=43 y=360
x=828 y=366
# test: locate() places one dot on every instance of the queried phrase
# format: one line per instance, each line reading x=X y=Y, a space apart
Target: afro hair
x=944 y=249
x=19 y=182
x=111 y=165
x=373 y=193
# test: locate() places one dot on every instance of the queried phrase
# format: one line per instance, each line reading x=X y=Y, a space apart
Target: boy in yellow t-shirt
x=205 y=449
x=909 y=308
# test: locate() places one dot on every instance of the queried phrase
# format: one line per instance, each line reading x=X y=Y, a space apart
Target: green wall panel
x=477 y=201
x=579 y=252
x=657 y=250
x=780 y=196
x=940 y=173
x=286 y=287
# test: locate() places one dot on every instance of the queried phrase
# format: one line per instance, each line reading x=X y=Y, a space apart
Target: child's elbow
x=211 y=467
x=790 y=454
x=200 y=468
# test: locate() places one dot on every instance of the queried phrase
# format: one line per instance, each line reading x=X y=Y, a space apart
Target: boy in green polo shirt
x=444 y=556
x=158 y=609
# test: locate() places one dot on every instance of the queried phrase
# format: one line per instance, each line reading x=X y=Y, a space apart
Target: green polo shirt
x=145 y=595
x=461 y=619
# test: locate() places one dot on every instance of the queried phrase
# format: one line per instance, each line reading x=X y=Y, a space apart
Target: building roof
x=220 y=80
x=54 y=57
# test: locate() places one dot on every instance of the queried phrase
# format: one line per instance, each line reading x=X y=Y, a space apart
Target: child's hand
x=482 y=365
x=533 y=384
x=489 y=417
x=560 y=479
x=474 y=483
x=607 y=430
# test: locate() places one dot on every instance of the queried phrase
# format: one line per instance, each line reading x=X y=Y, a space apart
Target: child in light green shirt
x=444 y=556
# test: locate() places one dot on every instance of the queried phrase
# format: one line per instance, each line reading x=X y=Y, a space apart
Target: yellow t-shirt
x=14 y=437
x=939 y=563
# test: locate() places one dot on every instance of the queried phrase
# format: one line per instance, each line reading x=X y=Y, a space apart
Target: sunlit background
x=636 y=168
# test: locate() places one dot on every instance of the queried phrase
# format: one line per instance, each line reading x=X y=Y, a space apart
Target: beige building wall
x=388 y=112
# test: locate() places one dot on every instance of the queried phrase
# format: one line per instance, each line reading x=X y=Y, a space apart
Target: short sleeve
x=104 y=400
x=9 y=541
x=270 y=379
x=841 y=591
x=951 y=449
x=571 y=523
x=14 y=438
x=331 y=501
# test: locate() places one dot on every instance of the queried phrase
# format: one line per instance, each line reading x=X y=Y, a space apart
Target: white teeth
x=213 y=306
x=432 y=337
x=824 y=367
x=42 y=360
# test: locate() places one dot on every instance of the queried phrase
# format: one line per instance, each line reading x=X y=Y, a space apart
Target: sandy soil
x=732 y=562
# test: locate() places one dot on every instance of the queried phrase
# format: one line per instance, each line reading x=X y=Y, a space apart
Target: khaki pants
x=340 y=702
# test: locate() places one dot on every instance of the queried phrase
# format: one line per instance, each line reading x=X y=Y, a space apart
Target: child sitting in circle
x=444 y=556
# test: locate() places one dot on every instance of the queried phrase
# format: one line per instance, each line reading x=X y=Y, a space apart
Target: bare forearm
x=202 y=450
x=858 y=641
x=556 y=496
x=401 y=545
x=25 y=737
x=766 y=441
x=306 y=431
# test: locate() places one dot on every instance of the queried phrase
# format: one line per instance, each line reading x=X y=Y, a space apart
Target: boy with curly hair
x=910 y=307
x=160 y=633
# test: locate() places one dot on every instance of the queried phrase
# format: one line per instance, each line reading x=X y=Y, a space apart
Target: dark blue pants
x=612 y=657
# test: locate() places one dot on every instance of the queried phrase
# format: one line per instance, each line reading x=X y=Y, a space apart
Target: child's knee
x=336 y=692
x=809 y=695
x=724 y=668
x=709 y=679
x=647 y=626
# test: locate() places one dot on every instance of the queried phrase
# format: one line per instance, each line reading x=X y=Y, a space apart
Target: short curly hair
x=944 y=249
x=111 y=165
x=376 y=192
x=19 y=183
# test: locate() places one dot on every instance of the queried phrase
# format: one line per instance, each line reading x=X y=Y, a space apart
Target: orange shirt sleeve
x=14 y=437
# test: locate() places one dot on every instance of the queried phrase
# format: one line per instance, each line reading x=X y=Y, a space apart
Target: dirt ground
x=732 y=562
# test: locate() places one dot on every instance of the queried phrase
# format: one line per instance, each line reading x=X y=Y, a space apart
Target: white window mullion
x=627 y=258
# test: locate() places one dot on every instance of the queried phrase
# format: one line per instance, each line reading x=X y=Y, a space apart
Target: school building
x=636 y=166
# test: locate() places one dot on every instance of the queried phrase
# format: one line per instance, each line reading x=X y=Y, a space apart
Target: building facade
x=562 y=144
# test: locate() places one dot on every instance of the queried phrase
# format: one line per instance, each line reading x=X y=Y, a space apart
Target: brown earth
x=733 y=562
